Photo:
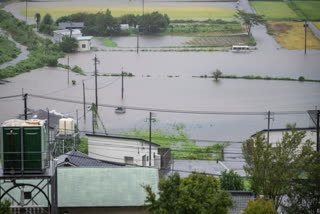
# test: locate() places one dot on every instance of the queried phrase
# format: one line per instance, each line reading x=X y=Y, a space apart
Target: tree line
x=104 y=24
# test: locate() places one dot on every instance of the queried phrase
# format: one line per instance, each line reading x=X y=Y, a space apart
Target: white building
x=84 y=43
x=131 y=151
x=275 y=135
x=58 y=34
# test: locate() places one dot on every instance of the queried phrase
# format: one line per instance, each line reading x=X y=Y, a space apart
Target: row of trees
x=104 y=24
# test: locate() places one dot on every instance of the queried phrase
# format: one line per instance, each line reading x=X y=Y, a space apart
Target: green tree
x=153 y=22
x=37 y=16
x=197 y=193
x=47 y=25
x=69 y=44
x=231 y=181
x=83 y=146
x=259 y=206
x=271 y=167
x=217 y=74
x=304 y=194
x=5 y=207
x=249 y=19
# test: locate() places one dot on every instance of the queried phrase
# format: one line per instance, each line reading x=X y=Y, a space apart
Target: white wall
x=115 y=149
x=87 y=44
x=276 y=136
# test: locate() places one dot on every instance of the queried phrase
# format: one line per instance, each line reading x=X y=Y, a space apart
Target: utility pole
x=93 y=119
x=84 y=100
x=68 y=70
x=318 y=143
x=48 y=128
x=150 y=122
x=150 y=130
x=26 y=11
x=96 y=80
x=25 y=97
x=269 y=118
x=122 y=83
x=305 y=25
x=77 y=119
x=138 y=39
x=143 y=7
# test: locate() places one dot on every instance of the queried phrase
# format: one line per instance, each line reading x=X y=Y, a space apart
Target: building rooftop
x=122 y=138
x=79 y=159
x=84 y=38
x=67 y=25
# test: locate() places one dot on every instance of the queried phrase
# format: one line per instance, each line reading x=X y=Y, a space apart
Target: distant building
x=58 y=34
x=130 y=151
x=124 y=27
x=70 y=25
x=275 y=135
x=84 y=43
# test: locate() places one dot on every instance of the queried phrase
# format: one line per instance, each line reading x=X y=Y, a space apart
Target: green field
x=173 y=12
x=310 y=9
x=275 y=10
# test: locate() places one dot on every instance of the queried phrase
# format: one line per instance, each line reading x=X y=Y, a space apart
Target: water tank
x=23 y=146
x=66 y=126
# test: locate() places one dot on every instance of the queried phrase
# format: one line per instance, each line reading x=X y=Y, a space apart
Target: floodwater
x=163 y=80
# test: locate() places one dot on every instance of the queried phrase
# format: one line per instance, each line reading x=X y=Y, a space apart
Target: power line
x=12 y=96
x=172 y=110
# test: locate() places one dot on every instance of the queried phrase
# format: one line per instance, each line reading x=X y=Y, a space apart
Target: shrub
x=260 y=206
x=231 y=181
x=301 y=78
x=52 y=61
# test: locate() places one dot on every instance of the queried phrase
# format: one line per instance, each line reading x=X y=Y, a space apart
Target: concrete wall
x=113 y=149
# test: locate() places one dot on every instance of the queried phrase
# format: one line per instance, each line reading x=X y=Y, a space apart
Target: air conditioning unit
x=66 y=126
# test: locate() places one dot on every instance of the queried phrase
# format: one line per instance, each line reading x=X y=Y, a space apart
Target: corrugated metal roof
x=104 y=187
x=64 y=25
x=79 y=159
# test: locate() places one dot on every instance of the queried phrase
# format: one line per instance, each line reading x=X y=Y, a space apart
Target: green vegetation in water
x=8 y=50
x=253 y=77
x=109 y=43
x=75 y=69
x=42 y=52
x=204 y=28
x=125 y=74
x=176 y=139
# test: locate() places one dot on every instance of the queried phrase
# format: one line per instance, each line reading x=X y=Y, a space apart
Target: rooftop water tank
x=66 y=126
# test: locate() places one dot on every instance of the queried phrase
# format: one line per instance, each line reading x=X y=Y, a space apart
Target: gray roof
x=313 y=116
x=68 y=25
x=79 y=159
x=123 y=138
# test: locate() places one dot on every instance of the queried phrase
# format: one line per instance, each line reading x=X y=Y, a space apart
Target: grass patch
x=290 y=35
x=253 y=77
x=177 y=140
x=316 y=24
x=173 y=12
x=8 y=50
x=310 y=9
x=275 y=11
x=204 y=28
x=109 y=43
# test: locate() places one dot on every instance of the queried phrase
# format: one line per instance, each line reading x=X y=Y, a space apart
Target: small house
x=130 y=151
x=59 y=34
x=124 y=27
x=84 y=43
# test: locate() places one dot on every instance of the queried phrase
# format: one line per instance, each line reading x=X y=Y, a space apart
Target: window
x=83 y=45
x=128 y=160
